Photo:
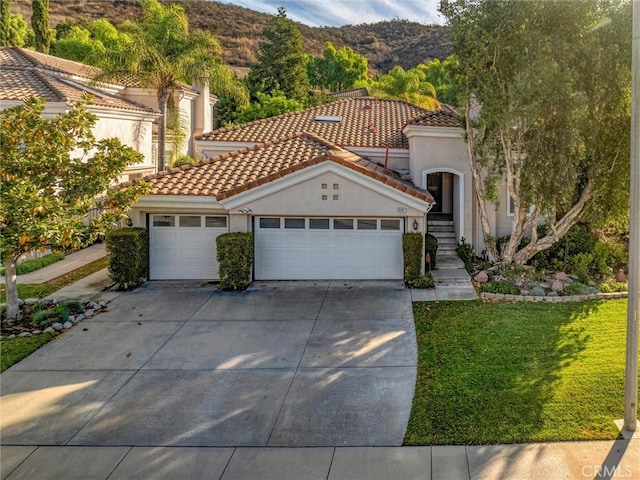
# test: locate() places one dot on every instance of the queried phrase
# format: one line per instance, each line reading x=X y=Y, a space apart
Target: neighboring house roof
x=354 y=92
x=15 y=57
x=20 y=83
x=446 y=116
x=232 y=173
x=365 y=122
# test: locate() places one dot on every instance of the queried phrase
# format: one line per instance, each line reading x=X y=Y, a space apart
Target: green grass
x=518 y=372
x=14 y=350
x=39 y=290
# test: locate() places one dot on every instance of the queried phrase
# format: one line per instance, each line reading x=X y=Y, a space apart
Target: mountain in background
x=385 y=44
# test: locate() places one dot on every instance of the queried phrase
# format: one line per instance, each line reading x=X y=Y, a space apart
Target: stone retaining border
x=558 y=299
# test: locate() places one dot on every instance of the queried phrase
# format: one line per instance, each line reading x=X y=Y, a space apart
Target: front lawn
x=518 y=372
x=14 y=350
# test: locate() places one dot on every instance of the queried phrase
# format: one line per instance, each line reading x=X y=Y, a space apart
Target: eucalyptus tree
x=546 y=87
x=338 y=69
x=162 y=53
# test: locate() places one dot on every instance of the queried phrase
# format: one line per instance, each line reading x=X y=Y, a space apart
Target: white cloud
x=343 y=12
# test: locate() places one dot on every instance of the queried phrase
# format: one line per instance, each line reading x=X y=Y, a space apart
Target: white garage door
x=183 y=247
x=328 y=248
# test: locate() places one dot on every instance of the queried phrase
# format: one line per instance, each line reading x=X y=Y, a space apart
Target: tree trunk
x=163 y=100
x=558 y=230
x=476 y=174
x=11 y=286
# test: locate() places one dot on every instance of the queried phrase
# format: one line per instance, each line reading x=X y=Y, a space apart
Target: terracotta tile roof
x=14 y=57
x=18 y=84
x=232 y=173
x=366 y=122
x=445 y=117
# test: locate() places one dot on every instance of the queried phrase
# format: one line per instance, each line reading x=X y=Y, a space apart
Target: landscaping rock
x=48 y=301
x=31 y=301
x=72 y=319
x=89 y=313
x=67 y=325
x=25 y=334
x=561 y=276
x=48 y=330
x=553 y=293
x=620 y=276
x=57 y=326
x=20 y=302
x=482 y=277
x=557 y=286
x=80 y=318
x=37 y=332
x=538 y=291
x=13 y=335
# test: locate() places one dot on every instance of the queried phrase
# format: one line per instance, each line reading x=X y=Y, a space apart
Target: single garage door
x=328 y=248
x=183 y=247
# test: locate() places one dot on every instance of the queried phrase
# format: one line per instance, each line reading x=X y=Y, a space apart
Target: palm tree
x=162 y=54
x=411 y=86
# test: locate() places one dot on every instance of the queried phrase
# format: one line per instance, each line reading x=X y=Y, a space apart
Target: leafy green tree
x=442 y=75
x=162 y=53
x=53 y=172
x=14 y=30
x=281 y=64
x=268 y=106
x=40 y=25
x=338 y=69
x=411 y=86
x=78 y=45
x=547 y=107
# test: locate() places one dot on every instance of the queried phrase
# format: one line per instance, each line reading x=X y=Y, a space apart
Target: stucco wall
x=135 y=133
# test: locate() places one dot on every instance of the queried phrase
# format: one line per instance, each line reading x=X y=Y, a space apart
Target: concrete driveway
x=177 y=364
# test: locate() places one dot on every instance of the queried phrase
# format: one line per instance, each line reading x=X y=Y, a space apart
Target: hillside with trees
x=384 y=44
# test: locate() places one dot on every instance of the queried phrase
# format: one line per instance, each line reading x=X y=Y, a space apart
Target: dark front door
x=434 y=185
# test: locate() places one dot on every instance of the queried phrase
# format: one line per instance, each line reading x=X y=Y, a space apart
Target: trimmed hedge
x=431 y=247
x=412 y=253
x=129 y=255
x=235 y=256
x=34 y=264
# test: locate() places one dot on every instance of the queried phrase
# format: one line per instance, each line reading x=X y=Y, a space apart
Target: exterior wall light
x=415 y=225
x=245 y=210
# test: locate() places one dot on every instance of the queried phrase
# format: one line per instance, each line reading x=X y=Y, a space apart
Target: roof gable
x=366 y=122
x=233 y=173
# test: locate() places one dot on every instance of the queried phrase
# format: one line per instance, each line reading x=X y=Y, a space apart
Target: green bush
x=235 y=256
x=129 y=255
x=183 y=160
x=423 y=281
x=577 y=288
x=581 y=263
x=499 y=286
x=44 y=318
x=612 y=286
x=466 y=253
x=36 y=263
x=74 y=306
x=431 y=247
x=412 y=254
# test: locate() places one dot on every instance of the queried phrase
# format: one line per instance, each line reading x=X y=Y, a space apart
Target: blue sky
x=343 y=12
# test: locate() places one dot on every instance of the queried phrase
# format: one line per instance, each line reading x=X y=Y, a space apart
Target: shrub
x=235 y=254
x=577 y=288
x=499 y=286
x=612 y=286
x=44 y=318
x=36 y=263
x=129 y=255
x=74 y=306
x=601 y=259
x=431 y=247
x=581 y=263
x=412 y=254
x=466 y=254
x=183 y=160
x=423 y=281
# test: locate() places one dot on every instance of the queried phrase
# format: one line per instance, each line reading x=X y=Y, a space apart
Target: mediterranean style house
x=124 y=110
x=327 y=192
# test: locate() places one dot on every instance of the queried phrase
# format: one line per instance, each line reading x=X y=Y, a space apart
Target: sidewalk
x=69 y=263
x=570 y=460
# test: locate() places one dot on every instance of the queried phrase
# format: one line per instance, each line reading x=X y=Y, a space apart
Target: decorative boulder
x=557 y=286
x=621 y=277
x=561 y=276
x=482 y=277
x=538 y=291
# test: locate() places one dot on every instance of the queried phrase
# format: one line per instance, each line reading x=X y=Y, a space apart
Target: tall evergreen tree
x=281 y=65
x=40 y=24
x=4 y=23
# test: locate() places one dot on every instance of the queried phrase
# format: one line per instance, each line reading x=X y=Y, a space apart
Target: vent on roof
x=328 y=118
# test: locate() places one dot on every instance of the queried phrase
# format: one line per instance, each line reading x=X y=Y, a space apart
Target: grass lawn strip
x=15 y=349
x=518 y=372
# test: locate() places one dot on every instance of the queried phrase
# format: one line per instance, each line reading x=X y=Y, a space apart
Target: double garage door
x=328 y=248
x=286 y=248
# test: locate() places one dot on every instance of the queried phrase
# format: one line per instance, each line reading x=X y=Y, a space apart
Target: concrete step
x=440 y=228
x=440 y=222
x=446 y=234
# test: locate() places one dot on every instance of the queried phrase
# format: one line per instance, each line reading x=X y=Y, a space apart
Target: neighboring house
x=313 y=188
x=124 y=109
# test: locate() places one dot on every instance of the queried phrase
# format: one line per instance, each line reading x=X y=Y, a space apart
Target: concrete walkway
x=452 y=282
x=69 y=263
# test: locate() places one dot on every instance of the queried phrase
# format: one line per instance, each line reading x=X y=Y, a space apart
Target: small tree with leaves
x=40 y=24
x=53 y=172
x=338 y=69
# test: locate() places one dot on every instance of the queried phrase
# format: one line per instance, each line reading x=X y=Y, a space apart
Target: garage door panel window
x=164 y=221
x=319 y=223
x=390 y=224
x=215 y=222
x=367 y=224
x=343 y=224
x=297 y=223
x=193 y=221
x=267 y=222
